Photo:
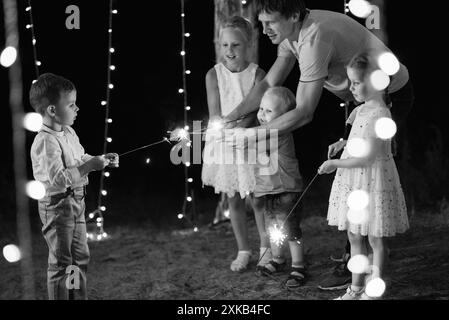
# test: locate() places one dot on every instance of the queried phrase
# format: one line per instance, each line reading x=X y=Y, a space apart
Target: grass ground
x=139 y=262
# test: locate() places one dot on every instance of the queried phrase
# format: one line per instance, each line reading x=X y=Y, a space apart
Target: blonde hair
x=285 y=95
x=240 y=23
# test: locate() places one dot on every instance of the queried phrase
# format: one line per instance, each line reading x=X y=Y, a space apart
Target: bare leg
x=297 y=252
x=259 y=212
x=238 y=220
x=357 y=247
x=379 y=249
x=237 y=210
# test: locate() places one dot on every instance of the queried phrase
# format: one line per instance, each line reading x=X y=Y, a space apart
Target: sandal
x=297 y=277
x=271 y=267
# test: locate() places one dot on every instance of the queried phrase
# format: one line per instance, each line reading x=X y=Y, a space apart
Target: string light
x=183 y=134
x=100 y=233
x=30 y=26
x=12 y=253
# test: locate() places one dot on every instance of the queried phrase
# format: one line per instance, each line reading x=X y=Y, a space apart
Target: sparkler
x=144 y=147
x=276 y=233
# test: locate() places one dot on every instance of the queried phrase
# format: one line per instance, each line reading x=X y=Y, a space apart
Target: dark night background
x=145 y=102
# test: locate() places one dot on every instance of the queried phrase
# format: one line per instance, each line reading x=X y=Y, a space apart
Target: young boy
x=60 y=163
x=278 y=189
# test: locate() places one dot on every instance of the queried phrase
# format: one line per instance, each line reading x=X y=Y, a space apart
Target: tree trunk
x=227 y=8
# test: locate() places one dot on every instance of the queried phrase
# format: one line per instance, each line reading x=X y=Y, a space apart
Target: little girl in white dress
x=371 y=174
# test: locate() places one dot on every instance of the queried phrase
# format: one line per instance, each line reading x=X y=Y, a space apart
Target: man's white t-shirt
x=327 y=42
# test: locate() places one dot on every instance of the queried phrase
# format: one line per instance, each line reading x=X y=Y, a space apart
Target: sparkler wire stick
x=144 y=147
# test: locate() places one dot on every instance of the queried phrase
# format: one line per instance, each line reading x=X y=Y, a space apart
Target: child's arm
x=213 y=95
x=330 y=166
x=48 y=164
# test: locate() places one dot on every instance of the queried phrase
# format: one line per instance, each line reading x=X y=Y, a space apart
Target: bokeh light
x=388 y=63
x=33 y=121
x=8 y=57
x=11 y=253
x=358 y=264
x=358 y=200
x=375 y=288
x=357 y=216
x=357 y=147
x=379 y=80
x=360 y=8
x=385 y=128
x=35 y=189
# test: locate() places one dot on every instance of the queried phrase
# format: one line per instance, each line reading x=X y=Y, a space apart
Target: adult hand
x=328 y=166
x=229 y=123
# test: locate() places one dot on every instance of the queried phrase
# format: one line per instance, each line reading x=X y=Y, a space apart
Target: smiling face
x=66 y=110
x=270 y=108
x=234 y=48
x=277 y=27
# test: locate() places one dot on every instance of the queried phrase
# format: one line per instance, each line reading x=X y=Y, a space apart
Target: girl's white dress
x=386 y=213
x=220 y=167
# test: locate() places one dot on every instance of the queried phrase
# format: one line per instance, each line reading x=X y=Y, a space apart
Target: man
x=323 y=42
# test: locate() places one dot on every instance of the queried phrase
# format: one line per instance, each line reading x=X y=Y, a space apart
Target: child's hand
x=327 y=167
x=335 y=148
x=98 y=163
x=113 y=159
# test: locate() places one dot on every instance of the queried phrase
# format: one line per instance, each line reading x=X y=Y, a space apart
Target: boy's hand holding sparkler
x=113 y=159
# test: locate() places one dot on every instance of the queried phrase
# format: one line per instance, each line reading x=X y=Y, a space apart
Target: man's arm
x=307 y=97
x=275 y=77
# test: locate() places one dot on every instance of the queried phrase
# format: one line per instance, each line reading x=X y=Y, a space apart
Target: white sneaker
x=241 y=262
x=350 y=295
